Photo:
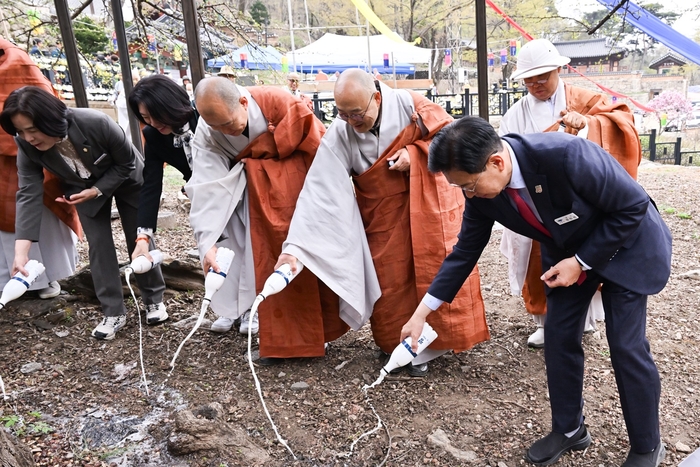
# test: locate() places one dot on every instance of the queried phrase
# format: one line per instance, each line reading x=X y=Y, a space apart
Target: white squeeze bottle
x=279 y=279
x=19 y=283
x=403 y=353
x=142 y=264
x=214 y=280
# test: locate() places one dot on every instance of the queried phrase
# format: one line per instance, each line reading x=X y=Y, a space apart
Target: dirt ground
x=491 y=400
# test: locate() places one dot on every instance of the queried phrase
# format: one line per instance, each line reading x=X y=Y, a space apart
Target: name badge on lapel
x=566 y=219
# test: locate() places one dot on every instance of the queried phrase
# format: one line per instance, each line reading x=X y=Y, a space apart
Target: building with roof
x=665 y=64
x=592 y=56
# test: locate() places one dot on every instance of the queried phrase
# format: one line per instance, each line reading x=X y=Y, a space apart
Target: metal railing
x=457 y=105
x=665 y=152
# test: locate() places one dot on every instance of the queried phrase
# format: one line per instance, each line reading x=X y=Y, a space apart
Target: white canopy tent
x=332 y=51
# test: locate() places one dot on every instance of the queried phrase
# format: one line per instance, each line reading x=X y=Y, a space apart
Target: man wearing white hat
x=551 y=105
x=227 y=71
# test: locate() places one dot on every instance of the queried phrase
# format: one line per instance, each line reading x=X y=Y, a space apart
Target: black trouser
x=636 y=375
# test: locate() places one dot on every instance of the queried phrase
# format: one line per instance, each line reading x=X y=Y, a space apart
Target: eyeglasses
x=539 y=81
x=293 y=80
x=473 y=188
x=357 y=117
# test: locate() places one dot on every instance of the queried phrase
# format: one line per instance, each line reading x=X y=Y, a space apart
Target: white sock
x=572 y=433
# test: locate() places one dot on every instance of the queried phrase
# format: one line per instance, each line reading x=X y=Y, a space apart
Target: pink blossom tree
x=677 y=108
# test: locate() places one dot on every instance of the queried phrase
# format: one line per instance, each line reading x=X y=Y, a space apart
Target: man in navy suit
x=595 y=224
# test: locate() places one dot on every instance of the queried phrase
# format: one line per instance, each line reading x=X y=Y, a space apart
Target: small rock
x=62 y=333
x=502 y=464
x=465 y=368
x=515 y=345
x=167 y=220
x=678 y=336
x=488 y=287
x=439 y=438
x=339 y=367
x=680 y=447
x=282 y=374
x=122 y=370
x=300 y=386
x=188 y=323
x=30 y=367
x=694 y=274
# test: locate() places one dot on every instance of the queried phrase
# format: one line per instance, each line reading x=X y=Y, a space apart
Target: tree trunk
x=14 y=453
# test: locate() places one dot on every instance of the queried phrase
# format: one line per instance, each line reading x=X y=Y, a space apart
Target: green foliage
x=259 y=12
x=91 y=37
x=9 y=421
x=40 y=427
x=684 y=215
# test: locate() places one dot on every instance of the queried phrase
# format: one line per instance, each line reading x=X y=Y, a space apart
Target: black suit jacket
x=619 y=232
x=159 y=150
x=113 y=161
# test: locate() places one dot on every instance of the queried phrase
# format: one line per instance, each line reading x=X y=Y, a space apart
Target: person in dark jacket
x=164 y=107
x=95 y=163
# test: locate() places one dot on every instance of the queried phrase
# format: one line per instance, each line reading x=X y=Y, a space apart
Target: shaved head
x=357 y=99
x=216 y=88
x=221 y=105
x=354 y=80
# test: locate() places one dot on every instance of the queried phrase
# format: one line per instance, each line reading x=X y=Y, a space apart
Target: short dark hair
x=465 y=144
x=165 y=100
x=48 y=114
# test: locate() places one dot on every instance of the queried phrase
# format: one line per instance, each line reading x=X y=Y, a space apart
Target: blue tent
x=653 y=26
x=259 y=58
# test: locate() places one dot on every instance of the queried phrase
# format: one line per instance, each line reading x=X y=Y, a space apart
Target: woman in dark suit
x=95 y=163
x=170 y=119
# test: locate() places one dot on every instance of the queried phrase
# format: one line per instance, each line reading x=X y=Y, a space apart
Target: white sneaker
x=156 y=313
x=222 y=324
x=536 y=340
x=109 y=327
x=53 y=290
x=245 y=321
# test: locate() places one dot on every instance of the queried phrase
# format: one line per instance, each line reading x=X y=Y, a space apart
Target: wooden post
x=71 y=49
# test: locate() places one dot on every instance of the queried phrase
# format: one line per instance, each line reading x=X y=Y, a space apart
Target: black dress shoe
x=648 y=459
x=549 y=449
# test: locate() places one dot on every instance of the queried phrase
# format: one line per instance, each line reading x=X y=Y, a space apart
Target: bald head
x=357 y=99
x=354 y=80
x=221 y=105
x=216 y=89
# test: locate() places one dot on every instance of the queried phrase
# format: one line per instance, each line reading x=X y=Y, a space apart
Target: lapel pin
x=538 y=188
x=85 y=150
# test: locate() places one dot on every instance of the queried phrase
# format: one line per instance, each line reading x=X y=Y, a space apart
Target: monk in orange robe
x=250 y=154
x=365 y=220
x=552 y=105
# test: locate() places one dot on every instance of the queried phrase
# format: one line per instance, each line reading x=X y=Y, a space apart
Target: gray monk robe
x=243 y=191
x=373 y=239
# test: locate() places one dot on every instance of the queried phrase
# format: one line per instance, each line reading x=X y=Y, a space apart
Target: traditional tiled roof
x=668 y=57
x=593 y=48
